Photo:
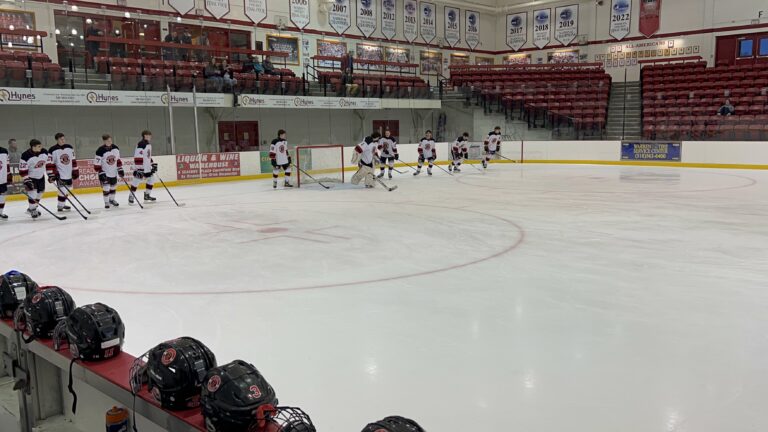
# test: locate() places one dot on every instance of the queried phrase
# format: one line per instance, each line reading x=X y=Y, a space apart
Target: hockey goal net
x=319 y=163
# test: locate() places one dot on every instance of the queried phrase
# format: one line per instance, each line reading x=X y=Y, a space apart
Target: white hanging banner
x=255 y=10
x=428 y=22
x=340 y=16
x=410 y=26
x=388 y=19
x=217 y=8
x=566 y=24
x=366 y=16
x=182 y=6
x=621 y=18
x=472 y=30
x=299 y=12
x=517 y=30
x=542 y=20
x=452 y=32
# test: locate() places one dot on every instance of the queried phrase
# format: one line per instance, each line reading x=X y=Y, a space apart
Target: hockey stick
x=131 y=192
x=69 y=191
x=58 y=186
x=307 y=174
x=384 y=185
x=61 y=218
x=504 y=157
x=169 y=192
x=409 y=166
x=446 y=171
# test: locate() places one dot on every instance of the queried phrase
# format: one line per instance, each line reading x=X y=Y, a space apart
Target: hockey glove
x=29 y=185
x=103 y=178
x=52 y=177
x=139 y=174
x=273 y=162
x=154 y=169
x=10 y=178
x=75 y=174
x=121 y=172
x=290 y=161
x=485 y=148
x=397 y=156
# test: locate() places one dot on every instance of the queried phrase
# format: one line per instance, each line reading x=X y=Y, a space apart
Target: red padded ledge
x=116 y=371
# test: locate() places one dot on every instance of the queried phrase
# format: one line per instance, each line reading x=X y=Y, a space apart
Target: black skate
x=389 y=174
x=114 y=203
x=381 y=175
x=64 y=208
x=417 y=172
x=456 y=169
x=149 y=198
x=34 y=213
x=274 y=184
x=287 y=184
x=131 y=201
x=3 y=216
x=450 y=168
x=429 y=172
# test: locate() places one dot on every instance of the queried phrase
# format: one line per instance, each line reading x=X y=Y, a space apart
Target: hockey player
x=62 y=168
x=364 y=156
x=145 y=168
x=459 y=152
x=388 y=149
x=427 y=152
x=6 y=178
x=109 y=166
x=278 y=153
x=32 y=168
x=492 y=145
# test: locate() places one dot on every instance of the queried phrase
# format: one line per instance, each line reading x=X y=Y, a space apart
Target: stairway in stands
x=621 y=123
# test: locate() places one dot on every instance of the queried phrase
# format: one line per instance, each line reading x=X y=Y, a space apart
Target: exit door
x=238 y=136
x=381 y=125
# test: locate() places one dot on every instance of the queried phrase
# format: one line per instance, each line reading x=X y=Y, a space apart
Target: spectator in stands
x=203 y=41
x=170 y=53
x=726 y=109
x=258 y=69
x=117 y=49
x=186 y=39
x=269 y=68
x=93 y=46
x=227 y=75
x=348 y=62
x=13 y=152
x=212 y=76
x=348 y=81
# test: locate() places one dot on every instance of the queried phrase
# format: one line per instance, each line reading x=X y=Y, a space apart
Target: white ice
x=532 y=298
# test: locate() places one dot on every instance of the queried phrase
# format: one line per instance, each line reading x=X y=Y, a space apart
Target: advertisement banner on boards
x=41 y=96
x=207 y=165
x=306 y=102
x=651 y=151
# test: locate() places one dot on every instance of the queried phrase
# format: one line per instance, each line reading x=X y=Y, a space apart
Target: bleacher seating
x=14 y=66
x=681 y=101
x=387 y=85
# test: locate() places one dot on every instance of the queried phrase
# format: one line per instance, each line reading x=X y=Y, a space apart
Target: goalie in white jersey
x=492 y=145
x=365 y=156
x=32 y=167
x=388 y=148
x=6 y=178
x=427 y=152
x=62 y=168
x=459 y=152
x=278 y=155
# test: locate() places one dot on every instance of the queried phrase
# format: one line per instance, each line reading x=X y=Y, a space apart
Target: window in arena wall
x=763 y=48
x=20 y=21
x=746 y=48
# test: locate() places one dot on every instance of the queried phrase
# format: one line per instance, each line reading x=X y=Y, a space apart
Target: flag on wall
x=366 y=16
x=299 y=12
x=340 y=16
x=428 y=21
x=182 y=6
x=255 y=10
x=217 y=8
x=472 y=30
x=650 y=17
x=542 y=19
x=452 y=32
x=566 y=23
x=410 y=14
x=517 y=30
x=388 y=19
x=621 y=18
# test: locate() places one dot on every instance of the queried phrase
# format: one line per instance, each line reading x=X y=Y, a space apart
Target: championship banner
x=207 y=165
x=428 y=22
x=255 y=10
x=410 y=27
x=452 y=32
x=472 y=31
x=306 y=102
x=541 y=31
x=650 y=17
x=340 y=16
x=69 y=97
x=299 y=12
x=366 y=16
x=517 y=30
x=621 y=18
x=182 y=6
x=567 y=24
x=651 y=150
x=388 y=19
x=217 y=8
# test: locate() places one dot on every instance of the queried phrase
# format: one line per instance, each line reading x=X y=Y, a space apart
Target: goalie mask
x=42 y=310
x=393 y=424
x=14 y=288
x=93 y=332
x=236 y=398
x=174 y=372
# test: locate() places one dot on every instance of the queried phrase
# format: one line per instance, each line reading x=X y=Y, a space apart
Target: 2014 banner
x=650 y=17
x=217 y=8
x=182 y=6
x=299 y=12
x=517 y=30
x=340 y=17
x=567 y=23
x=542 y=21
x=452 y=32
x=388 y=19
x=472 y=30
x=621 y=18
x=366 y=16
x=428 y=22
x=255 y=10
x=410 y=20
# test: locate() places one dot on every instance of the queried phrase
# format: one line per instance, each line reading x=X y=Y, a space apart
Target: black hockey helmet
x=288 y=419
x=174 y=372
x=236 y=398
x=14 y=288
x=93 y=332
x=42 y=310
x=393 y=424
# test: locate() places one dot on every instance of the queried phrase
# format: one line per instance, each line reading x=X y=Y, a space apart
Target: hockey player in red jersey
x=62 y=168
x=32 y=168
x=6 y=178
x=145 y=168
x=280 y=159
x=108 y=166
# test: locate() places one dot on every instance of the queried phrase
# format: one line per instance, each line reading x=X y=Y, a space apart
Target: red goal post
x=319 y=163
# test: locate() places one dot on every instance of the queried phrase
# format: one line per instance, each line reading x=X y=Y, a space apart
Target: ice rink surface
x=537 y=298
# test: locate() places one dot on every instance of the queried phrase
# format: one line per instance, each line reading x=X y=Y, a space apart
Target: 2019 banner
x=410 y=20
x=472 y=30
x=650 y=17
x=340 y=17
x=651 y=150
x=566 y=23
x=517 y=30
x=366 y=16
x=542 y=20
x=428 y=21
x=388 y=18
x=452 y=32
x=621 y=18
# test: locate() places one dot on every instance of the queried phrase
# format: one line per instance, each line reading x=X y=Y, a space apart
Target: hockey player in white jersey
x=388 y=153
x=32 y=168
x=62 y=168
x=109 y=166
x=492 y=145
x=365 y=156
x=278 y=155
x=145 y=168
x=459 y=152
x=427 y=152
x=6 y=178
